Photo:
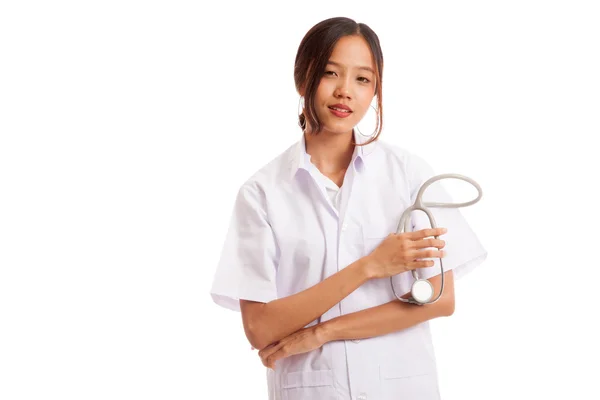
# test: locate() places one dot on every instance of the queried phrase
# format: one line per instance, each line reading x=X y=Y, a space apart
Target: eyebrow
x=340 y=66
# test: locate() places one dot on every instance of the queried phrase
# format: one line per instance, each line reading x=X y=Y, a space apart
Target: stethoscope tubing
x=404 y=225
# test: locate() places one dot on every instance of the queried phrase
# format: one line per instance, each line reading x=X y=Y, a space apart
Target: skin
x=376 y=321
x=277 y=329
x=349 y=79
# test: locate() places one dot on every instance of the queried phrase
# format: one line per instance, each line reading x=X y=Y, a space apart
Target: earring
x=301 y=105
x=376 y=118
x=301 y=116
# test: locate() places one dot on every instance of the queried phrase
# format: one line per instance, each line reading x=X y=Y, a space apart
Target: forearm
x=390 y=317
x=282 y=317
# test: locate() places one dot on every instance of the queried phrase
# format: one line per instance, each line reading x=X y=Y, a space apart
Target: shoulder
x=398 y=156
x=270 y=176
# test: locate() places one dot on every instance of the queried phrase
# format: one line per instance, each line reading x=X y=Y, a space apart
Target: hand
x=403 y=252
x=302 y=341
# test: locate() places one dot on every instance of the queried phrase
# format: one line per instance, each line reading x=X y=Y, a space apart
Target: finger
x=264 y=362
x=274 y=357
x=270 y=349
x=419 y=264
x=423 y=243
x=429 y=254
x=423 y=233
x=269 y=361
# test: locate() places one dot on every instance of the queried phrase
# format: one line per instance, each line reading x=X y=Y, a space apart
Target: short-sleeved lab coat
x=285 y=236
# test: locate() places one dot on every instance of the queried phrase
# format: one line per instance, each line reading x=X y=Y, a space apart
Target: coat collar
x=300 y=159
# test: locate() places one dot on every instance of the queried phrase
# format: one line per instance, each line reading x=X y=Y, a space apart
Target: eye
x=330 y=73
x=364 y=80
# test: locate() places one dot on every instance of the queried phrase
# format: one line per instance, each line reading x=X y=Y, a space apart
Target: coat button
x=362 y=396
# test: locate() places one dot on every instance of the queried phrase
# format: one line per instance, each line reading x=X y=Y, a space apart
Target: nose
x=341 y=91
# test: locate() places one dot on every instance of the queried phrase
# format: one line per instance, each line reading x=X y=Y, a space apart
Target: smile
x=340 y=109
x=340 y=112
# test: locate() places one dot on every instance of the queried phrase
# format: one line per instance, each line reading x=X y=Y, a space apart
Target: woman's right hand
x=403 y=252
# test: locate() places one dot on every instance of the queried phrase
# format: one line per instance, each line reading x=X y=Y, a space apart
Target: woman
x=312 y=242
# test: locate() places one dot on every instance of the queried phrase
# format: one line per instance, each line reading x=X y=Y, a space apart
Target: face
x=347 y=87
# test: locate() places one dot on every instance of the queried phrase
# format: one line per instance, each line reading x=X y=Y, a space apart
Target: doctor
x=311 y=243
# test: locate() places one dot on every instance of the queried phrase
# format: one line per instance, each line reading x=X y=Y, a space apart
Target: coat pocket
x=373 y=235
x=309 y=385
x=371 y=243
x=416 y=381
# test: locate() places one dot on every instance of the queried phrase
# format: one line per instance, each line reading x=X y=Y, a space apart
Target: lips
x=340 y=108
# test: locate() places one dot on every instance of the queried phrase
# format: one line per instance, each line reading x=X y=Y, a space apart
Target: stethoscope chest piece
x=422 y=291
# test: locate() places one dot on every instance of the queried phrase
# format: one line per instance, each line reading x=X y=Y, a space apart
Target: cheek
x=364 y=98
x=324 y=91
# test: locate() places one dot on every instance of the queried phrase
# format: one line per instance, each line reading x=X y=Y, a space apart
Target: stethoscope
x=422 y=290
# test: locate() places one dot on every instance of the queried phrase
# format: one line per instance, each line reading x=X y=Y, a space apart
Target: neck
x=330 y=153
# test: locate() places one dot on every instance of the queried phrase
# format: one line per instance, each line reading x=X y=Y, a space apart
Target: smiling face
x=347 y=87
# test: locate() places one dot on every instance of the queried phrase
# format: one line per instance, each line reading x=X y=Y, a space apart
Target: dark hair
x=312 y=57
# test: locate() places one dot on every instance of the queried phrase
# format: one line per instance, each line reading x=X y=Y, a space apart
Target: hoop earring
x=373 y=134
x=301 y=105
x=301 y=116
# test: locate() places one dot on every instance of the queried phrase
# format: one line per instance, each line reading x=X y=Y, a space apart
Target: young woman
x=312 y=242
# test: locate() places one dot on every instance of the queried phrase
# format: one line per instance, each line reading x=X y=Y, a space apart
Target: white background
x=127 y=128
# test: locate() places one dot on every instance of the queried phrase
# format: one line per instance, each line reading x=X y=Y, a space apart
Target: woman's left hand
x=302 y=341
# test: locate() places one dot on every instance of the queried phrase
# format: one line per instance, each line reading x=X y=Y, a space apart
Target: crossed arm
x=390 y=317
x=375 y=321
x=269 y=324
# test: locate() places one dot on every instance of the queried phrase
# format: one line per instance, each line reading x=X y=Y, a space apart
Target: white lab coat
x=285 y=236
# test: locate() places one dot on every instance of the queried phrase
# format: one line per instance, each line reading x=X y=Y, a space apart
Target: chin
x=337 y=131
x=338 y=128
